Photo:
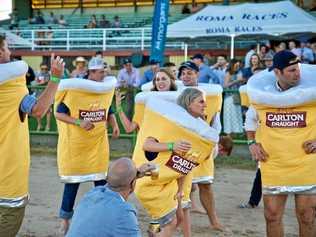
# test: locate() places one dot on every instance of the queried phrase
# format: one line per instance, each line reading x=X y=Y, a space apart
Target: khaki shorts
x=10 y=221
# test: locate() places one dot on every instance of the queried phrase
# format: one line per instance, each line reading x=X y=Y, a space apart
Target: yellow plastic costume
x=286 y=120
x=244 y=96
x=168 y=122
x=14 y=136
x=84 y=155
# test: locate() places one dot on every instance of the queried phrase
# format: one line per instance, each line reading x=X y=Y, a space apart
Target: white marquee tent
x=275 y=18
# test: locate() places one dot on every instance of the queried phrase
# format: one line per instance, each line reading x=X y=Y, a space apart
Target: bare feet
x=217 y=227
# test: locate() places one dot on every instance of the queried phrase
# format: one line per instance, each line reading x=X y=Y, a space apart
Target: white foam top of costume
x=209 y=89
x=179 y=115
x=107 y=84
x=12 y=70
x=171 y=96
x=261 y=89
x=243 y=89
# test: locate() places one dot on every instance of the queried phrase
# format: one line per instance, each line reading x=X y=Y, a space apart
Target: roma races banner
x=159 y=30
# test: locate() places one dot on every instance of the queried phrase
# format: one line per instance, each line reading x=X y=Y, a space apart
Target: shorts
x=10 y=220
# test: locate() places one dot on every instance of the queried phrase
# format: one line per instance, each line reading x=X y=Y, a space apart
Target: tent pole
x=232 y=46
x=185 y=51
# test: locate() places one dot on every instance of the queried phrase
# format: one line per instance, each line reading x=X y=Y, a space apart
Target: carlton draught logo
x=94 y=114
x=183 y=164
x=286 y=120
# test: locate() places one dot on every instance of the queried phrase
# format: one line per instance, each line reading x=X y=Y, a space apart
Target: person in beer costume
x=164 y=80
x=81 y=108
x=204 y=173
x=284 y=102
x=15 y=162
x=179 y=141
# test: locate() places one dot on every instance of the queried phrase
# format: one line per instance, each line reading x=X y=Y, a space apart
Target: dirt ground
x=231 y=187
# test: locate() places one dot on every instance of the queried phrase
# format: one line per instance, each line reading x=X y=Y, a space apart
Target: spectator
x=206 y=74
x=232 y=114
x=52 y=19
x=171 y=67
x=307 y=55
x=263 y=51
x=251 y=51
x=128 y=76
x=62 y=21
x=117 y=22
x=254 y=63
x=80 y=71
x=150 y=73
x=268 y=61
x=42 y=78
x=220 y=67
x=294 y=49
x=39 y=19
x=104 y=23
x=94 y=21
x=186 y=9
x=104 y=211
x=14 y=18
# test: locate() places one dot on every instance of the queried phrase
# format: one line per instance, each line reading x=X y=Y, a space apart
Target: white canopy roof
x=244 y=19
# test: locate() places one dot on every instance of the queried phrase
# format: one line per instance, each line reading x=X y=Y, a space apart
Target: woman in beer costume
x=179 y=141
x=164 y=80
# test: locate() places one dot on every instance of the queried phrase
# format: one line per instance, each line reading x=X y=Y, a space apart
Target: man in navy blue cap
x=279 y=96
x=189 y=73
x=206 y=74
x=150 y=73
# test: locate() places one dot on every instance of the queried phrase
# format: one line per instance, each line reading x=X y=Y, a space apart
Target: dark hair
x=227 y=143
x=173 y=86
x=253 y=46
x=2 y=39
x=230 y=68
x=169 y=64
x=99 y=52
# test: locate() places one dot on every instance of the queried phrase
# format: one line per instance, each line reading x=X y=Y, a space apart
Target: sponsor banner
x=93 y=116
x=286 y=120
x=159 y=30
x=180 y=164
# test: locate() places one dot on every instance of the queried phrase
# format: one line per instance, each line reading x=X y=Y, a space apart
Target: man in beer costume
x=15 y=161
x=175 y=131
x=83 y=150
x=203 y=175
x=284 y=102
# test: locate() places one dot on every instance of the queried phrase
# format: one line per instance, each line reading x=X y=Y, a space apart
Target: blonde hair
x=188 y=96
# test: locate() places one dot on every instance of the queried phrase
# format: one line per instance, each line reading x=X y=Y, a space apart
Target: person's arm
x=152 y=145
x=256 y=150
x=213 y=76
x=62 y=114
x=46 y=98
x=113 y=123
x=216 y=123
x=128 y=125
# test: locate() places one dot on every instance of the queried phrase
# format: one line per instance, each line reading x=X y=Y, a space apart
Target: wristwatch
x=250 y=142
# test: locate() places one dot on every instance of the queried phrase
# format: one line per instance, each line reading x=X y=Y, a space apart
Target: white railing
x=68 y=39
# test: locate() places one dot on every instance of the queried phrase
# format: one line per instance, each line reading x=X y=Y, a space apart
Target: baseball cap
x=189 y=65
x=268 y=56
x=127 y=60
x=96 y=63
x=284 y=59
x=198 y=56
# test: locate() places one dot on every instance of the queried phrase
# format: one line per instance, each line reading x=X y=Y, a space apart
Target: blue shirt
x=206 y=75
x=148 y=76
x=103 y=212
x=27 y=104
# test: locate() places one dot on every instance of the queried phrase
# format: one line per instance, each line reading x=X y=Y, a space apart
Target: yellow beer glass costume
x=286 y=120
x=14 y=136
x=243 y=96
x=84 y=155
x=142 y=97
x=168 y=122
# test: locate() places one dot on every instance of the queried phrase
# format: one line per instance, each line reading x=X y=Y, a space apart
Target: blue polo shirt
x=103 y=212
x=206 y=75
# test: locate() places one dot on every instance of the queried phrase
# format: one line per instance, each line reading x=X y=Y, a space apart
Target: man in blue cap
x=206 y=74
x=284 y=101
